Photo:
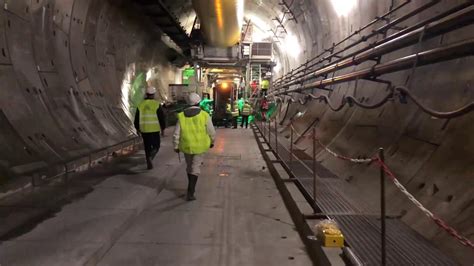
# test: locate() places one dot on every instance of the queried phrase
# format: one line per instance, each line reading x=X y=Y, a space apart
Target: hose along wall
x=62 y=68
x=423 y=119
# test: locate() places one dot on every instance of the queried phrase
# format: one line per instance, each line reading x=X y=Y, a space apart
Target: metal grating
x=359 y=224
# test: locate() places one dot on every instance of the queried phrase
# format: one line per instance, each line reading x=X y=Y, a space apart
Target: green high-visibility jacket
x=193 y=138
x=149 y=122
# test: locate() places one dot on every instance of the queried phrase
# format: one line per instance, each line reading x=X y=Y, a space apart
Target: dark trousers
x=229 y=120
x=234 y=121
x=152 y=143
x=245 y=121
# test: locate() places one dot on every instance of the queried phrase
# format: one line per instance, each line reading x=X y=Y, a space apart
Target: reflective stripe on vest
x=193 y=138
x=246 y=110
x=148 y=118
x=235 y=112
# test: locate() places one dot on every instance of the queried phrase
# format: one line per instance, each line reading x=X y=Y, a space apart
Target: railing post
x=269 y=134
x=276 y=137
x=314 y=168
x=291 y=147
x=382 y=207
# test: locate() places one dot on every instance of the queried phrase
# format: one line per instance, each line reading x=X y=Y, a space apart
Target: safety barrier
x=384 y=170
x=440 y=222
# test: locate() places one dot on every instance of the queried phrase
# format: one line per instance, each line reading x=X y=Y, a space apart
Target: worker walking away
x=235 y=115
x=265 y=86
x=246 y=112
x=232 y=111
x=228 y=113
x=194 y=135
x=149 y=122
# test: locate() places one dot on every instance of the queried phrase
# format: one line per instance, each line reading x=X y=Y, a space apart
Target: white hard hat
x=150 y=90
x=194 y=99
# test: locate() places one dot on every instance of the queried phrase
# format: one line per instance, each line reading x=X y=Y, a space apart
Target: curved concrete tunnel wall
x=62 y=64
x=434 y=158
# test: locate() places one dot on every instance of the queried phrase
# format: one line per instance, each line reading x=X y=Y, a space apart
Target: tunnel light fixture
x=292 y=45
x=343 y=7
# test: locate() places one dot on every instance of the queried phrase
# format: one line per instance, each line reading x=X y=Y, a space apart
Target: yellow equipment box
x=330 y=234
x=332 y=238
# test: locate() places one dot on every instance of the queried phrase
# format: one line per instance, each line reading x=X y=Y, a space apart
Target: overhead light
x=225 y=85
x=343 y=7
x=292 y=45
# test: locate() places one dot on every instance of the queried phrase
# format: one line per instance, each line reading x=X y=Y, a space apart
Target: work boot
x=192 y=180
x=149 y=163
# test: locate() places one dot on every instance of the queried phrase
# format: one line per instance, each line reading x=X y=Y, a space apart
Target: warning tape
x=333 y=153
x=354 y=160
x=440 y=222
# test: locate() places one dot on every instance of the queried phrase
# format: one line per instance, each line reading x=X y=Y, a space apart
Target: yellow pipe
x=221 y=20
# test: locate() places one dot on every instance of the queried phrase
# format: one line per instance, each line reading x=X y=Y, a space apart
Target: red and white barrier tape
x=333 y=153
x=441 y=223
x=354 y=160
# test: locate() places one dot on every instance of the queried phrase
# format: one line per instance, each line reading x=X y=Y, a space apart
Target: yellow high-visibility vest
x=193 y=138
x=148 y=118
x=235 y=112
x=265 y=84
x=247 y=109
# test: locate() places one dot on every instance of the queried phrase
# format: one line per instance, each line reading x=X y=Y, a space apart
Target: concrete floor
x=140 y=217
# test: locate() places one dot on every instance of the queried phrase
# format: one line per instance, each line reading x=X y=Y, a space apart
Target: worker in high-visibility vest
x=246 y=112
x=194 y=135
x=232 y=111
x=149 y=122
x=265 y=86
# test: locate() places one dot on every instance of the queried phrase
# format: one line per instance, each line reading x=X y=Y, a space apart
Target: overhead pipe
x=453 y=51
x=455 y=21
x=377 y=19
x=300 y=70
x=221 y=20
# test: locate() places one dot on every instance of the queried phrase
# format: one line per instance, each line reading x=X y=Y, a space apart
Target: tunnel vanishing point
x=346 y=78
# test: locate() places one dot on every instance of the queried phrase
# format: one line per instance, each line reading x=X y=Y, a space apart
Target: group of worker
x=241 y=108
x=194 y=134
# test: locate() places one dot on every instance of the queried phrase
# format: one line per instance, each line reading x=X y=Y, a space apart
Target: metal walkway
x=359 y=222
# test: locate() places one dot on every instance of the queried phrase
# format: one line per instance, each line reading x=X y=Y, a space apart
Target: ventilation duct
x=221 y=20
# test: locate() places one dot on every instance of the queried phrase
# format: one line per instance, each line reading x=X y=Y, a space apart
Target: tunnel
x=368 y=124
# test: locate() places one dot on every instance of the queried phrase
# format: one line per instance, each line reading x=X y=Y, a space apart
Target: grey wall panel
x=19 y=8
x=61 y=77
x=78 y=57
x=4 y=53
x=43 y=27
x=63 y=14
